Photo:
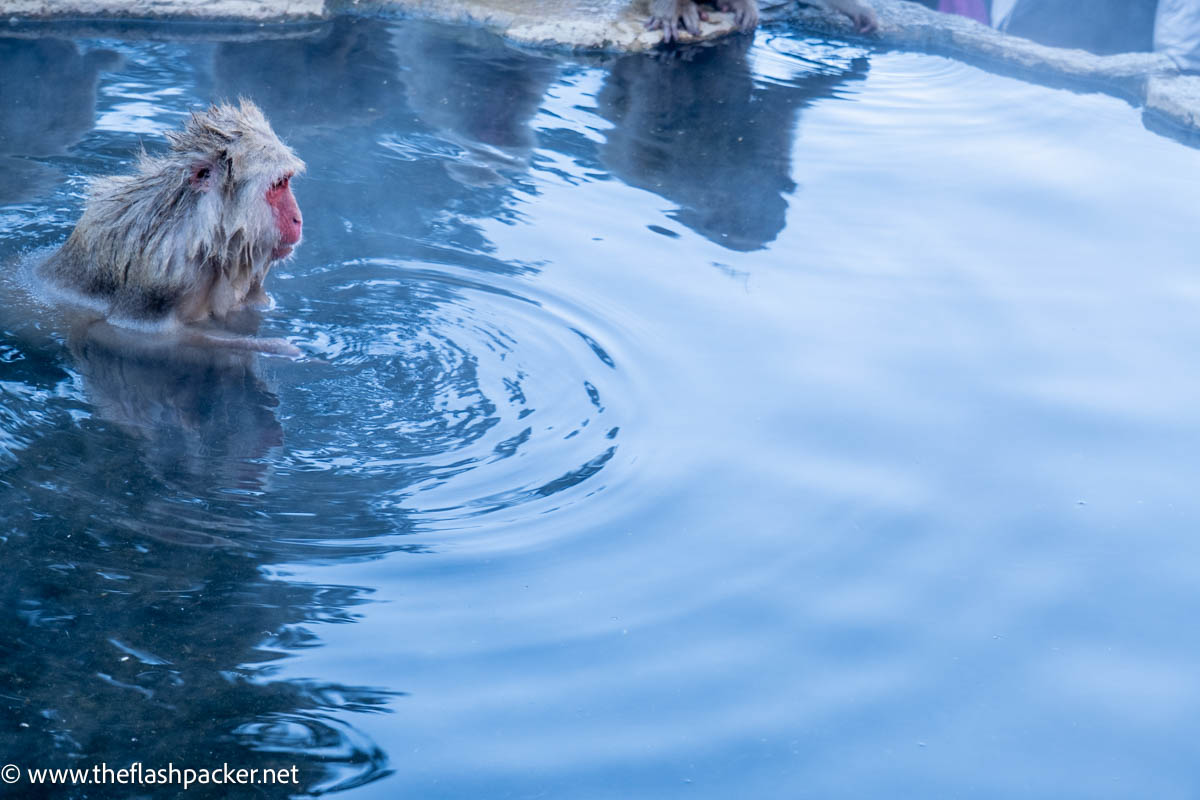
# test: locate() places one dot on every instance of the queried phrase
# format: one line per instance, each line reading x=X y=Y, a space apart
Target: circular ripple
x=449 y=396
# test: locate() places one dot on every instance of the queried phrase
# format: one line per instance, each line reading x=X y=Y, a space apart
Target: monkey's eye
x=281 y=183
x=203 y=174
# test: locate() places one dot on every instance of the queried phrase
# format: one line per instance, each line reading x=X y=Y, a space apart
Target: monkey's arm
x=859 y=12
x=745 y=12
x=180 y=343
x=273 y=346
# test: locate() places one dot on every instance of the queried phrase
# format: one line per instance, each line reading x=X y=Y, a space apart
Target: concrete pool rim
x=1169 y=97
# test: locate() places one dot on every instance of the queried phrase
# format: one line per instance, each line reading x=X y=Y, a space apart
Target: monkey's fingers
x=275 y=347
x=690 y=17
x=747 y=17
x=279 y=347
x=666 y=25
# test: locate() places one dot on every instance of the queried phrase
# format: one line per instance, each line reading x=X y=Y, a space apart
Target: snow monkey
x=190 y=236
x=673 y=16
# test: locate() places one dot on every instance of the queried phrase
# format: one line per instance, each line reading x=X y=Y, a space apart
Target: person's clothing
x=1103 y=27
x=975 y=9
x=1000 y=11
x=1177 y=32
x=1098 y=26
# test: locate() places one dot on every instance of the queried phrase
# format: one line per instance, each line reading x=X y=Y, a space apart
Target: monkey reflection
x=48 y=95
x=701 y=133
x=203 y=416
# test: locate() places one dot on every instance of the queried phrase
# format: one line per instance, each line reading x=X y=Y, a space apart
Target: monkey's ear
x=201 y=178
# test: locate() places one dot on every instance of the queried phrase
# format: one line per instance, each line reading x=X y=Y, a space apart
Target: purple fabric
x=975 y=9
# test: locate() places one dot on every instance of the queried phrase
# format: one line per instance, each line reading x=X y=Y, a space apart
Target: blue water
x=787 y=420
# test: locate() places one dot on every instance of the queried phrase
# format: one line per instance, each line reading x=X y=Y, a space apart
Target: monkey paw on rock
x=672 y=16
x=861 y=14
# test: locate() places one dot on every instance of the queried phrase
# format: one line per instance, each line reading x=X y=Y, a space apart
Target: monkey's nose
x=291 y=228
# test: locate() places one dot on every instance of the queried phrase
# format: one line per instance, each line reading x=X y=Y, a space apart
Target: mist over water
x=774 y=418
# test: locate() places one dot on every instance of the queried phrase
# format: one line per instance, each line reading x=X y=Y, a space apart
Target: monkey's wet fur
x=190 y=236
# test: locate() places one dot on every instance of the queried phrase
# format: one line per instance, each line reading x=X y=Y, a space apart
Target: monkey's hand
x=745 y=12
x=862 y=15
x=253 y=344
x=258 y=299
x=673 y=15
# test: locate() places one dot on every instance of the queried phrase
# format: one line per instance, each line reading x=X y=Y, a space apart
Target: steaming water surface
x=784 y=419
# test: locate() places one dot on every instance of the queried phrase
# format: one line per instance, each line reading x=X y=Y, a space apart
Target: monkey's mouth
x=289 y=236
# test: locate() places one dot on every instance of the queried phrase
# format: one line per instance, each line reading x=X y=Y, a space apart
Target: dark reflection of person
x=701 y=133
x=332 y=117
x=486 y=107
x=413 y=134
x=48 y=97
x=476 y=92
x=340 y=77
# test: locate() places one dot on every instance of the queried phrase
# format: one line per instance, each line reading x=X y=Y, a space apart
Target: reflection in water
x=680 y=537
x=462 y=416
x=355 y=99
x=116 y=648
x=154 y=490
x=342 y=76
x=207 y=420
x=701 y=132
x=48 y=97
x=131 y=632
x=485 y=108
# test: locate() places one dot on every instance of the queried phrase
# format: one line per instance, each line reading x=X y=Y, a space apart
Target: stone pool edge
x=1149 y=80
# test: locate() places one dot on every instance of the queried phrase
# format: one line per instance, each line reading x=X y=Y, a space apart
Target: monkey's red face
x=287 y=216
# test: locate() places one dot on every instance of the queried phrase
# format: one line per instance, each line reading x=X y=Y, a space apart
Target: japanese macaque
x=674 y=16
x=189 y=237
